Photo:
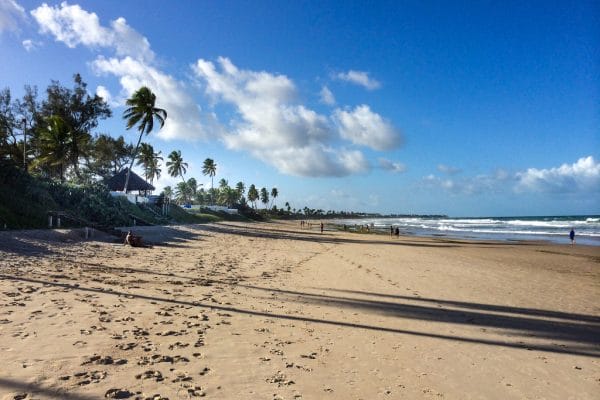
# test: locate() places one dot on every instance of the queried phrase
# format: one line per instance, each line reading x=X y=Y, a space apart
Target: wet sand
x=273 y=311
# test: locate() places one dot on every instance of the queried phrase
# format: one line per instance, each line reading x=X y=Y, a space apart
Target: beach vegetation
x=210 y=168
x=176 y=166
x=142 y=112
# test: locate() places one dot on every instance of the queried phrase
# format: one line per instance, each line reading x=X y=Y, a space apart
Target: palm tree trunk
x=132 y=160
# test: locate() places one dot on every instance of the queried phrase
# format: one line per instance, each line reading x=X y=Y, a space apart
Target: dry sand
x=270 y=311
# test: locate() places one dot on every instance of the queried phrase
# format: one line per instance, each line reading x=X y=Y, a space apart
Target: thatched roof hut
x=117 y=182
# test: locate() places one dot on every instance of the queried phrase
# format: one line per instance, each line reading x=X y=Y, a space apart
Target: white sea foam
x=500 y=228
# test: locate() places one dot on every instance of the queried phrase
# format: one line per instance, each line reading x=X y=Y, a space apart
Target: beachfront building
x=138 y=190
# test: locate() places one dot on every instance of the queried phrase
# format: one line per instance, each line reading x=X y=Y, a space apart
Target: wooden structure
x=136 y=183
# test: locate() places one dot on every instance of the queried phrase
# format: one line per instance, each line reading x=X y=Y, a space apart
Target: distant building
x=116 y=184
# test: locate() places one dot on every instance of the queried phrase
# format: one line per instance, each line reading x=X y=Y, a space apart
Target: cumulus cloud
x=364 y=127
x=184 y=117
x=581 y=176
x=446 y=169
x=272 y=126
x=360 y=78
x=132 y=64
x=269 y=122
x=326 y=96
x=75 y=26
x=391 y=166
x=11 y=16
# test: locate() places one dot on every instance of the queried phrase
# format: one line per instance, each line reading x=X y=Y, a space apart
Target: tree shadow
x=585 y=338
x=22 y=246
x=582 y=333
x=164 y=236
x=40 y=390
x=479 y=306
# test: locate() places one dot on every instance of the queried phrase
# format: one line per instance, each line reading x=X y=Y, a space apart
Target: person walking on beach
x=572 y=236
x=321 y=227
x=391 y=230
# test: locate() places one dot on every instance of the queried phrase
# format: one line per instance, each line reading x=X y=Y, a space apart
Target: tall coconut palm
x=240 y=189
x=176 y=166
x=183 y=193
x=142 y=111
x=168 y=192
x=264 y=196
x=154 y=168
x=253 y=195
x=193 y=185
x=148 y=159
x=274 y=194
x=210 y=168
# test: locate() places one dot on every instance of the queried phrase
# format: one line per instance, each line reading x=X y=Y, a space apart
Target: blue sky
x=460 y=108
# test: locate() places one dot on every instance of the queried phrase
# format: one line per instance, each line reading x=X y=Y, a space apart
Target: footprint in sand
x=118 y=394
x=151 y=374
x=107 y=360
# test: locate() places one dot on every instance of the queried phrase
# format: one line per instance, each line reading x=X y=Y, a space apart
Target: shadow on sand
x=584 y=337
x=18 y=386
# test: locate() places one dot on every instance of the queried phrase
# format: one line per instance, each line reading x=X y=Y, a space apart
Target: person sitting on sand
x=129 y=238
x=133 y=240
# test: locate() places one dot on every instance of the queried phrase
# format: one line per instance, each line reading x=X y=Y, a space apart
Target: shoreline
x=268 y=310
x=553 y=238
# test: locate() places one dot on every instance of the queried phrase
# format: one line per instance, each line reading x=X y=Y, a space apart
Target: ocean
x=553 y=229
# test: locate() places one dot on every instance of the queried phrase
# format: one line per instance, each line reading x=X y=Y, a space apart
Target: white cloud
x=105 y=94
x=581 y=176
x=272 y=126
x=30 y=44
x=183 y=115
x=72 y=25
x=326 y=96
x=359 y=78
x=446 y=169
x=391 y=166
x=133 y=65
x=75 y=26
x=269 y=121
x=11 y=16
x=364 y=127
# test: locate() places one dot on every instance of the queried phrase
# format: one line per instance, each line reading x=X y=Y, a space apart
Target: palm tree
x=175 y=165
x=193 y=185
x=264 y=196
x=55 y=145
x=274 y=194
x=153 y=169
x=183 y=193
x=240 y=189
x=210 y=168
x=252 y=195
x=168 y=192
x=141 y=111
x=149 y=161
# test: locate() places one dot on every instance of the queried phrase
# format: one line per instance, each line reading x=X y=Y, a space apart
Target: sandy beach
x=273 y=311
